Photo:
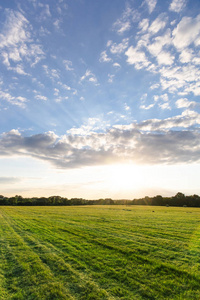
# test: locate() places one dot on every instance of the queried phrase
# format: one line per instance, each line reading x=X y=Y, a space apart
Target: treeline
x=178 y=200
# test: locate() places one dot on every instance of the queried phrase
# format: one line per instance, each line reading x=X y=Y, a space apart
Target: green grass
x=99 y=252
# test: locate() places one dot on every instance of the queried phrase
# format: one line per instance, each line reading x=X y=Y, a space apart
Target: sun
x=125 y=177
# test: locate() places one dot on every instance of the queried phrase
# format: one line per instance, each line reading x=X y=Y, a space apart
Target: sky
x=99 y=99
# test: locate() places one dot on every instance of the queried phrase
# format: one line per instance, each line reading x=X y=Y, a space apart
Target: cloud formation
x=129 y=16
x=151 y=5
x=157 y=47
x=152 y=141
x=177 y=5
x=16 y=43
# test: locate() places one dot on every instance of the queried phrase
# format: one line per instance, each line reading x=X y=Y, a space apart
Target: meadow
x=99 y=252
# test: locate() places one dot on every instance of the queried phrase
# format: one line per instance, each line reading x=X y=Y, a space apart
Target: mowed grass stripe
x=47 y=254
x=114 y=263
x=26 y=277
x=61 y=270
x=97 y=292
x=4 y=295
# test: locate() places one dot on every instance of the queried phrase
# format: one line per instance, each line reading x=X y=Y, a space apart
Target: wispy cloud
x=104 y=57
x=177 y=5
x=143 y=25
x=9 y=180
x=158 y=24
x=51 y=73
x=119 y=48
x=41 y=97
x=123 y=24
x=16 y=43
x=57 y=23
x=14 y=100
x=68 y=65
x=89 y=76
x=151 y=5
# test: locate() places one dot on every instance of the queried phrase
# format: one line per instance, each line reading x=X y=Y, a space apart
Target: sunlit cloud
x=151 y=142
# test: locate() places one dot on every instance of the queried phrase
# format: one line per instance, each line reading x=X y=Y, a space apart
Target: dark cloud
x=150 y=142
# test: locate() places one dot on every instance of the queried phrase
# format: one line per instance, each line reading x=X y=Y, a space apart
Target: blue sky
x=99 y=98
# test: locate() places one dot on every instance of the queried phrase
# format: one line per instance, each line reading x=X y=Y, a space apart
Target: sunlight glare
x=125 y=177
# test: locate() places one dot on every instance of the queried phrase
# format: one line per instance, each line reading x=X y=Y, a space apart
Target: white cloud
x=18 y=101
x=110 y=78
x=51 y=73
x=186 y=32
x=45 y=12
x=186 y=55
x=164 y=97
x=18 y=69
x=159 y=42
x=40 y=97
x=119 y=48
x=104 y=57
x=137 y=58
x=155 y=97
x=44 y=31
x=165 y=58
x=64 y=86
x=109 y=43
x=193 y=88
x=17 y=44
x=151 y=5
x=143 y=25
x=185 y=77
x=92 y=125
x=15 y=31
x=56 y=92
x=185 y=103
x=154 y=86
x=123 y=26
x=126 y=107
x=144 y=97
x=147 y=107
x=164 y=106
x=57 y=24
x=124 y=22
x=116 y=65
x=158 y=24
x=177 y=5
x=68 y=65
x=89 y=76
x=59 y=98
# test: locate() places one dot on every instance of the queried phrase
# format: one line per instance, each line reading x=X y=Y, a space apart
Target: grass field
x=99 y=252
